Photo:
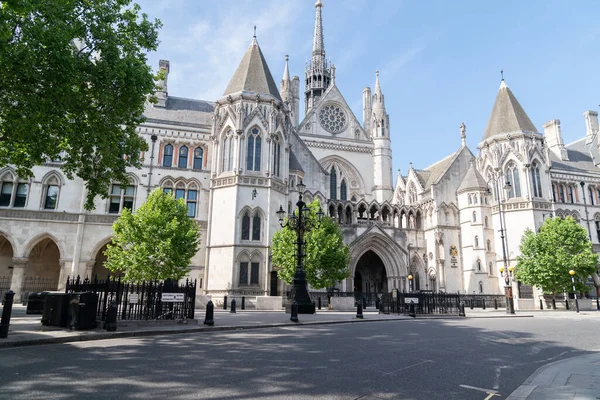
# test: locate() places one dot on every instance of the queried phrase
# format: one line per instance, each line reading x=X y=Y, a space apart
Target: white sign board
x=172 y=297
x=134 y=298
x=409 y=300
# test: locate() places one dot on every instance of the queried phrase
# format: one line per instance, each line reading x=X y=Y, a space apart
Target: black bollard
x=232 y=306
x=359 y=308
x=567 y=304
x=243 y=302
x=377 y=303
x=495 y=304
x=598 y=303
x=6 y=313
x=483 y=304
x=110 y=323
x=553 y=304
x=225 y=303
x=294 y=316
x=461 y=311
x=411 y=309
x=319 y=302
x=541 y=304
x=472 y=303
x=209 y=319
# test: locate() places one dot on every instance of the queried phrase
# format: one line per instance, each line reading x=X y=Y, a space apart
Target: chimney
x=554 y=139
x=161 y=91
x=591 y=125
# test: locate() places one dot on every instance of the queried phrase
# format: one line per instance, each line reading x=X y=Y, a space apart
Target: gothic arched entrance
x=99 y=269
x=370 y=275
x=6 y=260
x=42 y=271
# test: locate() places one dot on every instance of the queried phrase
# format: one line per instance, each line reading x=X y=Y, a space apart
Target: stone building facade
x=236 y=159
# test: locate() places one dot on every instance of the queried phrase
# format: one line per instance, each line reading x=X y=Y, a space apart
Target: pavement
x=575 y=378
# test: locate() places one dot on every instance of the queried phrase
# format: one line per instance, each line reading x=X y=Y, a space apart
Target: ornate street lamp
x=510 y=305
x=300 y=224
x=572 y=273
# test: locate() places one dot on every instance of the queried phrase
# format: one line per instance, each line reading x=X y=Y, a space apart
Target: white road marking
x=407 y=367
x=491 y=395
x=489 y=391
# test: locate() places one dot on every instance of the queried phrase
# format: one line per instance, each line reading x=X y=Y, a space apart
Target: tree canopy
x=547 y=257
x=155 y=242
x=73 y=84
x=326 y=260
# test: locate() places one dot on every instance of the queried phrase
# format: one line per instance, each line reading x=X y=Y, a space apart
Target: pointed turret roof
x=253 y=75
x=507 y=115
x=286 y=71
x=472 y=180
x=318 y=43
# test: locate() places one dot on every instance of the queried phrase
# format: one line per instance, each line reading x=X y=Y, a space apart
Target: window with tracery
x=254 y=150
x=343 y=190
x=333 y=184
x=228 y=152
x=168 y=156
x=198 y=157
x=183 y=157
x=512 y=176
x=536 y=179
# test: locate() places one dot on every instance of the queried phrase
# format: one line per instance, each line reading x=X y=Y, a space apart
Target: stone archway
x=6 y=256
x=42 y=271
x=370 y=275
x=99 y=269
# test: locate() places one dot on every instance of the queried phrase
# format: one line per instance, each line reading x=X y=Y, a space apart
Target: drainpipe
x=153 y=138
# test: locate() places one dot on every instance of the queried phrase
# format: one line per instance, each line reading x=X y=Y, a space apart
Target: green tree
x=73 y=84
x=326 y=260
x=156 y=241
x=547 y=257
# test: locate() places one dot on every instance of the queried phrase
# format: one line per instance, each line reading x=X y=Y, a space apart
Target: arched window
x=474 y=216
x=276 y=157
x=470 y=200
x=198 y=157
x=228 y=151
x=489 y=245
x=168 y=156
x=412 y=193
x=254 y=150
x=51 y=189
x=246 y=227
x=256 y=227
x=512 y=176
x=12 y=192
x=343 y=190
x=490 y=269
x=478 y=265
x=536 y=180
x=476 y=241
x=486 y=221
x=183 y=157
x=480 y=287
x=333 y=184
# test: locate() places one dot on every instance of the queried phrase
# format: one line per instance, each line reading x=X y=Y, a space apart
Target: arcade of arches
x=370 y=275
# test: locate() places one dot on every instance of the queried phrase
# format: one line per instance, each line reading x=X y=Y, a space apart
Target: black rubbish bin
x=35 y=303
x=82 y=310
x=56 y=309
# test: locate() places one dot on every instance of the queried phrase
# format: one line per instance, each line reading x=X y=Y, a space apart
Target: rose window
x=332 y=118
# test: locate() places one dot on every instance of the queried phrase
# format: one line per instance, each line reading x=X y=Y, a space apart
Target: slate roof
x=507 y=115
x=180 y=103
x=181 y=111
x=579 y=160
x=294 y=163
x=431 y=174
x=253 y=75
x=472 y=180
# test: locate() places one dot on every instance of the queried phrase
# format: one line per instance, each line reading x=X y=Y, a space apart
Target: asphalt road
x=435 y=359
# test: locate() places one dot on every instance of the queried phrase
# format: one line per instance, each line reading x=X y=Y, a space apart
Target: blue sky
x=439 y=61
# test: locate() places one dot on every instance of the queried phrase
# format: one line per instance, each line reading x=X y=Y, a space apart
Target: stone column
x=89 y=269
x=18 y=274
x=66 y=267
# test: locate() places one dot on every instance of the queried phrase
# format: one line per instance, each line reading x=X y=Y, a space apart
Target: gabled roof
x=507 y=115
x=472 y=180
x=253 y=75
x=294 y=163
x=580 y=160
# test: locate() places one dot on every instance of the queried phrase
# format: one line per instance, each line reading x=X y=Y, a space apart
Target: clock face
x=332 y=118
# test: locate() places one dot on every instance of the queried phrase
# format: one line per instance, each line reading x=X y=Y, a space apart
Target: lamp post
x=510 y=306
x=572 y=273
x=410 y=283
x=300 y=224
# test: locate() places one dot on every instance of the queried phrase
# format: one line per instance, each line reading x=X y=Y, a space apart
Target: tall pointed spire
x=507 y=115
x=378 y=98
x=318 y=44
x=318 y=71
x=286 y=71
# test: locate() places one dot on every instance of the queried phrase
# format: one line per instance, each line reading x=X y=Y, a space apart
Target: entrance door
x=274 y=283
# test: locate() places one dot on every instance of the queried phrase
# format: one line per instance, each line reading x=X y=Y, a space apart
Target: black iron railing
x=4 y=287
x=367 y=299
x=483 y=300
x=424 y=303
x=143 y=301
x=34 y=284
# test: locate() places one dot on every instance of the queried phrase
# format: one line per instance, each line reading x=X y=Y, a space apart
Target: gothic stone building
x=236 y=159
